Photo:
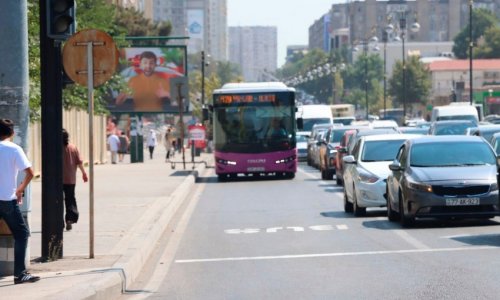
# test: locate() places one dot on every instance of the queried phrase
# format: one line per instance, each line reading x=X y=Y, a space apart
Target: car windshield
x=457 y=154
x=380 y=150
x=452 y=129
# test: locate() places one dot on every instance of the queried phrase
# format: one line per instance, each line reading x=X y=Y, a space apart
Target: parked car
x=495 y=143
x=350 y=141
x=384 y=124
x=328 y=151
x=426 y=183
x=344 y=120
x=414 y=130
x=302 y=145
x=313 y=139
x=341 y=152
x=314 y=149
x=487 y=131
x=366 y=171
x=454 y=127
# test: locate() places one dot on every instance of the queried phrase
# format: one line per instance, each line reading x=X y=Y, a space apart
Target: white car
x=302 y=137
x=366 y=171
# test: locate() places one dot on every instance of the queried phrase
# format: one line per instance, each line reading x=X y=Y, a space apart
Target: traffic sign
x=104 y=52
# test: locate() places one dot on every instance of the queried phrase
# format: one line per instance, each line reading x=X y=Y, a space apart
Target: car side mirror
x=300 y=123
x=349 y=159
x=395 y=166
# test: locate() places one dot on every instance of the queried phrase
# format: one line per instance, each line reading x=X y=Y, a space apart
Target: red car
x=341 y=152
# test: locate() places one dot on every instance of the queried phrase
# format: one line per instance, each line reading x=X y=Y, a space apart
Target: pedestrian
x=114 y=145
x=124 y=143
x=167 y=142
x=151 y=142
x=13 y=160
x=71 y=161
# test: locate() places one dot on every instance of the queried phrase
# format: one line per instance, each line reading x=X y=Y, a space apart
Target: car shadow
x=429 y=223
x=480 y=240
x=343 y=215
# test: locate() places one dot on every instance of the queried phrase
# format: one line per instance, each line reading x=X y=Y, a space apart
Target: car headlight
x=367 y=177
x=333 y=151
x=420 y=186
x=494 y=187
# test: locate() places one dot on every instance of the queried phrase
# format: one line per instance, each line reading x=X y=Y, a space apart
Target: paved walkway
x=133 y=205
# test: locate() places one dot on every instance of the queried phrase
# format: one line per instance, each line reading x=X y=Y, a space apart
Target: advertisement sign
x=195 y=28
x=197 y=133
x=147 y=71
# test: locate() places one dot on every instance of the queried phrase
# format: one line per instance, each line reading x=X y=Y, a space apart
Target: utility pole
x=14 y=82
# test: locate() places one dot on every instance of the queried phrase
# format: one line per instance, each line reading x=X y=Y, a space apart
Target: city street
x=290 y=239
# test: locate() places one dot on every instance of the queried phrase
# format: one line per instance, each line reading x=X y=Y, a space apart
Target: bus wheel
x=223 y=177
x=290 y=175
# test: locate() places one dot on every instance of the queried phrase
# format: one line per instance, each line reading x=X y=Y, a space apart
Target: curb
x=137 y=247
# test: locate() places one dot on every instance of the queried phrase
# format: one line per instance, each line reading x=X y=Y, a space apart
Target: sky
x=291 y=17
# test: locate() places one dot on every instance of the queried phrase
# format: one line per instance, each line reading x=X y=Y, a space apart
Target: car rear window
x=446 y=154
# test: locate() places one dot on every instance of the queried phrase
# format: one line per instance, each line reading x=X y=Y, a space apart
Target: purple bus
x=254 y=130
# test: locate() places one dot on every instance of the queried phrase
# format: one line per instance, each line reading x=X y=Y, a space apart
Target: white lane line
x=410 y=240
x=409 y=251
x=342 y=227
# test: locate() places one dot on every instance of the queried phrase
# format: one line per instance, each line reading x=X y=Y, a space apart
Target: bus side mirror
x=300 y=123
x=204 y=112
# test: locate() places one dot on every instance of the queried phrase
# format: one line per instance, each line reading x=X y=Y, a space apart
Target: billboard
x=195 y=19
x=148 y=71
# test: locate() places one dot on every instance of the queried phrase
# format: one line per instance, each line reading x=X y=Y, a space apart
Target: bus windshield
x=254 y=129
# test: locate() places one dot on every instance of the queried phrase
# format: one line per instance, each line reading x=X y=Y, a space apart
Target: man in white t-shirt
x=114 y=146
x=13 y=160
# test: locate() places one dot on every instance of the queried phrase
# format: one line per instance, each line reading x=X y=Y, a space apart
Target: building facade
x=254 y=49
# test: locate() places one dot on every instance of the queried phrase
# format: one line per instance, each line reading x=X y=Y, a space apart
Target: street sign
x=105 y=56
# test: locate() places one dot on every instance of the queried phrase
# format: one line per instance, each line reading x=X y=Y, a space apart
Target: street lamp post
x=415 y=28
x=365 y=48
x=385 y=34
x=202 y=78
x=471 y=45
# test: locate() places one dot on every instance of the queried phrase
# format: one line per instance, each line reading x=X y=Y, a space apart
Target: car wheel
x=406 y=221
x=323 y=174
x=358 y=211
x=392 y=215
x=338 y=181
x=347 y=204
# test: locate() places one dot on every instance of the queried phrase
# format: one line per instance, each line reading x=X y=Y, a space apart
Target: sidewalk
x=133 y=204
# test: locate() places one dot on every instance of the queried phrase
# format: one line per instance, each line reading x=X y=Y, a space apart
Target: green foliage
x=95 y=14
x=418 y=82
x=482 y=20
x=491 y=46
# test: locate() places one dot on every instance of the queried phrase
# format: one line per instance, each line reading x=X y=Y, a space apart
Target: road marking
x=337 y=254
x=161 y=271
x=409 y=239
x=342 y=227
x=281 y=228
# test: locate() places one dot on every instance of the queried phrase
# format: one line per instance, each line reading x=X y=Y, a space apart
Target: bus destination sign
x=229 y=99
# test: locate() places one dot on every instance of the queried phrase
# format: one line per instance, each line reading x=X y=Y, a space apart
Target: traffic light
x=60 y=19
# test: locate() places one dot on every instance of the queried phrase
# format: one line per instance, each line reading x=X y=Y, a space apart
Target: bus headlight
x=286 y=160
x=225 y=162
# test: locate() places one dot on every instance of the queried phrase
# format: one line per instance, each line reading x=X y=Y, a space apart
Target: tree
x=490 y=48
x=418 y=82
x=366 y=67
x=482 y=19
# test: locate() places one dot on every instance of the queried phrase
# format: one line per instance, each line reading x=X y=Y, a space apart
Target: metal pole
x=202 y=78
x=404 y=79
x=90 y=87
x=385 y=37
x=366 y=77
x=471 y=45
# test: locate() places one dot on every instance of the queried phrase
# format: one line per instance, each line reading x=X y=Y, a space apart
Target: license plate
x=256 y=169
x=462 y=201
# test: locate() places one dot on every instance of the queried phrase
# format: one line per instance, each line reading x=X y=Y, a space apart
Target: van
x=314 y=114
x=455 y=112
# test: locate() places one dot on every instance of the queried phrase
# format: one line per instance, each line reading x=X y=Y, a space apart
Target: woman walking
x=167 y=142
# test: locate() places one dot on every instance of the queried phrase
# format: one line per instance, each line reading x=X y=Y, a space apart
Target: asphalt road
x=290 y=239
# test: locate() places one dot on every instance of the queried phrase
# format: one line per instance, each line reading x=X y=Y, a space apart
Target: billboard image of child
x=147 y=72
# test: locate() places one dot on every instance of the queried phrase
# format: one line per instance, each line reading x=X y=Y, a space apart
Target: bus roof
x=253 y=87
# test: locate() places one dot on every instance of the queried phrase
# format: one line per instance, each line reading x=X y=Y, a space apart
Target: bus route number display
x=246 y=98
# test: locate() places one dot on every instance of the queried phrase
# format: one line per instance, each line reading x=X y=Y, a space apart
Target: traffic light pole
x=51 y=106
